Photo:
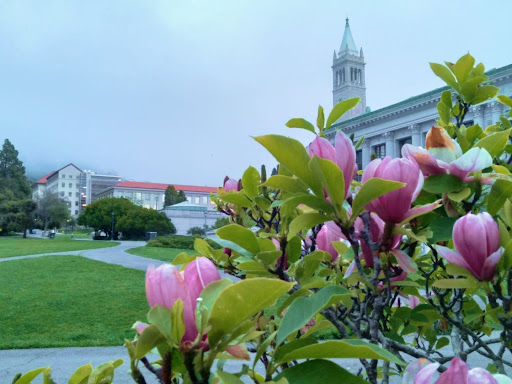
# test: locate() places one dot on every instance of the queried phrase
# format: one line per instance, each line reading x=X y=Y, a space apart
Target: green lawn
x=165 y=254
x=17 y=246
x=64 y=301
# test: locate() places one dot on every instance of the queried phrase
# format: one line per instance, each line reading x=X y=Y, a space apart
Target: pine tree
x=16 y=204
x=170 y=196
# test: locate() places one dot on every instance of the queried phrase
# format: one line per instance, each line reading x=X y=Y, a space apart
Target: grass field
x=164 y=254
x=17 y=246
x=64 y=301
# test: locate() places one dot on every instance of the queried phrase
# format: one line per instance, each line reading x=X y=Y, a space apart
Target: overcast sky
x=173 y=91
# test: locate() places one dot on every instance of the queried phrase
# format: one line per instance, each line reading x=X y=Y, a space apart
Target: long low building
x=152 y=195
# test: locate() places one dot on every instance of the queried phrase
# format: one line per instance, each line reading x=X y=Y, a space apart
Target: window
x=359 y=159
x=76 y=203
x=379 y=151
x=70 y=176
x=196 y=200
x=62 y=194
x=76 y=211
x=63 y=185
x=69 y=194
x=205 y=200
x=138 y=196
x=70 y=185
x=402 y=142
x=63 y=176
x=146 y=196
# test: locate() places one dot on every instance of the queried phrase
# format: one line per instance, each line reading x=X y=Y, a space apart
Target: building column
x=390 y=144
x=496 y=111
x=478 y=115
x=415 y=135
x=366 y=153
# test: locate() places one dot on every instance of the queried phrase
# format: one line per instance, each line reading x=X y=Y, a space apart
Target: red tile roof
x=43 y=180
x=184 y=188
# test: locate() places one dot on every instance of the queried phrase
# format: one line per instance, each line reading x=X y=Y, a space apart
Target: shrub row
x=177 y=241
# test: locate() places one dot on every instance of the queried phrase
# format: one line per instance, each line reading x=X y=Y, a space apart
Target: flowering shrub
x=421 y=246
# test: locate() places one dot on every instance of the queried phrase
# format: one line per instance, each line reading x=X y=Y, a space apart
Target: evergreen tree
x=170 y=196
x=181 y=197
x=16 y=204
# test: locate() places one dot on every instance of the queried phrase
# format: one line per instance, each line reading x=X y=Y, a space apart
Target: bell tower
x=348 y=74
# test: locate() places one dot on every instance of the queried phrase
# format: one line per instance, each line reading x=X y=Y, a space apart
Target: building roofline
x=426 y=95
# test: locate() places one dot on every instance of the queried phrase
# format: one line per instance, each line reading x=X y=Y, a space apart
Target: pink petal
x=427 y=163
x=345 y=158
x=420 y=210
x=198 y=274
x=404 y=261
x=239 y=352
x=475 y=159
x=480 y=376
x=457 y=372
x=322 y=148
x=139 y=327
x=454 y=258
x=413 y=302
x=489 y=268
x=425 y=375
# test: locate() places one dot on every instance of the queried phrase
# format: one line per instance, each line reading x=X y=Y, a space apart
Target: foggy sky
x=174 y=91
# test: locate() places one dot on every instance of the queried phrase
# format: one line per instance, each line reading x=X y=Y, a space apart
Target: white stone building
x=152 y=195
x=65 y=183
x=387 y=129
x=186 y=215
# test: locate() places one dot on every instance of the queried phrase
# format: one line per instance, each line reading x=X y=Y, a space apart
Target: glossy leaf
x=319 y=372
x=342 y=349
x=242 y=236
x=286 y=183
x=300 y=123
x=459 y=196
x=306 y=221
x=484 y=93
x=29 y=376
x=320 y=120
x=370 y=190
x=104 y=373
x=242 y=300
x=444 y=74
x=303 y=309
x=293 y=249
x=292 y=154
x=501 y=190
x=228 y=378
x=463 y=66
x=236 y=198
x=306 y=199
x=494 y=143
x=331 y=177
x=442 y=228
x=454 y=283
x=443 y=183
x=148 y=339
x=444 y=112
x=81 y=375
x=250 y=181
x=505 y=100
x=340 y=109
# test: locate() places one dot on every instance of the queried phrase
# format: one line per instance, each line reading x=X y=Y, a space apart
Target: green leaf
x=242 y=236
x=494 y=143
x=446 y=99
x=371 y=190
x=501 y=190
x=301 y=123
x=319 y=372
x=285 y=349
x=311 y=201
x=444 y=74
x=81 y=375
x=177 y=321
x=485 y=92
x=104 y=373
x=444 y=112
x=236 y=198
x=443 y=183
x=148 y=339
x=331 y=177
x=228 y=378
x=459 y=196
x=339 y=109
x=250 y=181
x=342 y=349
x=263 y=348
x=285 y=183
x=359 y=142
x=454 y=283
x=292 y=154
x=474 y=132
x=29 y=376
x=320 y=120
x=442 y=342
x=304 y=309
x=505 y=100
x=442 y=228
x=161 y=317
x=240 y=301
x=463 y=66
x=293 y=249
x=306 y=221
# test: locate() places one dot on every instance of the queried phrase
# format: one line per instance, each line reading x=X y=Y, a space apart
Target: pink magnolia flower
x=343 y=154
x=395 y=206
x=443 y=155
x=477 y=244
x=230 y=184
x=328 y=233
x=165 y=285
x=376 y=235
x=413 y=302
x=421 y=372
